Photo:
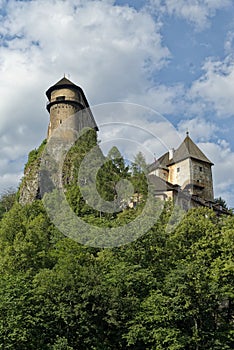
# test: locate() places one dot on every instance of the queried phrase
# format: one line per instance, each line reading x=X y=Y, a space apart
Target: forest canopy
x=169 y=289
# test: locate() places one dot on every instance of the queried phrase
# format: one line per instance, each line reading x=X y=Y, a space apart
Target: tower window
x=60 y=98
x=60 y=122
x=178 y=170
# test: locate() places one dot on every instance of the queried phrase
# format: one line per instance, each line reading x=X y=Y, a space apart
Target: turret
x=65 y=100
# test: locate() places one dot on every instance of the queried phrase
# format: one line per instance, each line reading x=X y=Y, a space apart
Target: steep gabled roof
x=163 y=160
x=161 y=163
x=188 y=149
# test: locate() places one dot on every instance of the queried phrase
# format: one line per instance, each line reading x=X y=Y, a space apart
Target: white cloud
x=133 y=128
x=111 y=51
x=197 y=12
x=164 y=99
x=223 y=158
x=198 y=128
x=96 y=41
x=228 y=45
x=216 y=86
x=9 y=180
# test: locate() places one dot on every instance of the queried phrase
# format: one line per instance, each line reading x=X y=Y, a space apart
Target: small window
x=60 y=98
x=200 y=168
x=178 y=170
x=60 y=122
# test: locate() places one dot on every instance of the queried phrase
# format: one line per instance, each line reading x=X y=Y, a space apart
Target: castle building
x=184 y=175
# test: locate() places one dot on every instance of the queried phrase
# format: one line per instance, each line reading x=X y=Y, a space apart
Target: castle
x=183 y=175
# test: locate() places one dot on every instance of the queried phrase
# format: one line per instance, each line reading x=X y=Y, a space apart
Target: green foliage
x=76 y=154
x=189 y=310
x=35 y=154
x=61 y=344
x=112 y=171
x=7 y=199
x=221 y=202
x=172 y=288
x=16 y=312
x=139 y=164
x=138 y=172
x=166 y=290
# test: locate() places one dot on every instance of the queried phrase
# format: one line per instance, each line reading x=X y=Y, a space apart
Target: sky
x=169 y=62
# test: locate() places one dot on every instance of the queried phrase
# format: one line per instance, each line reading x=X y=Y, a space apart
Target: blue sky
x=174 y=56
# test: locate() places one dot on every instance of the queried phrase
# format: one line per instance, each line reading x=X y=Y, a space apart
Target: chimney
x=171 y=153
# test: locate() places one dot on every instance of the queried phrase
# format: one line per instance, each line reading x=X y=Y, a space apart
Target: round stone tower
x=66 y=99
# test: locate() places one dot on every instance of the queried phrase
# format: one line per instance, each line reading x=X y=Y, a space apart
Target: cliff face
x=41 y=172
x=29 y=188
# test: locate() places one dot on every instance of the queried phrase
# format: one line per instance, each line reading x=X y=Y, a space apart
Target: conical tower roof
x=65 y=81
x=62 y=83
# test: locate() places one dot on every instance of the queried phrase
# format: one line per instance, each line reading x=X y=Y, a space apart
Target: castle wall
x=165 y=195
x=70 y=93
x=61 y=111
x=194 y=175
x=179 y=173
x=202 y=176
x=160 y=172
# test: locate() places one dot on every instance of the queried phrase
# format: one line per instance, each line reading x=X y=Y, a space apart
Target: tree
x=168 y=289
x=139 y=172
x=220 y=201
x=17 y=313
x=115 y=156
x=139 y=164
x=7 y=199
